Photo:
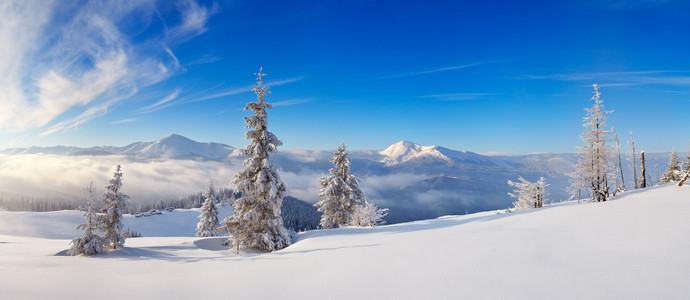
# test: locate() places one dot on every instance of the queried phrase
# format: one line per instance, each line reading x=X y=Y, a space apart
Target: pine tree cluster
x=109 y=221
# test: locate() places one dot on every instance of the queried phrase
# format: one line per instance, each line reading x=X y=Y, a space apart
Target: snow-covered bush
x=208 y=217
x=673 y=172
x=115 y=205
x=89 y=243
x=529 y=194
x=257 y=222
x=368 y=215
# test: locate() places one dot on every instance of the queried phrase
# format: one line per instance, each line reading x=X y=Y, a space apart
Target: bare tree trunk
x=634 y=157
x=643 y=184
x=685 y=177
x=620 y=164
x=605 y=192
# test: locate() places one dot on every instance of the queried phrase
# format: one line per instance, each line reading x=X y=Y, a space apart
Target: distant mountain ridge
x=173 y=146
x=414 y=181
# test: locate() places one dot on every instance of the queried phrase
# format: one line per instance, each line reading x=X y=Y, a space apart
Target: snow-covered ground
x=635 y=247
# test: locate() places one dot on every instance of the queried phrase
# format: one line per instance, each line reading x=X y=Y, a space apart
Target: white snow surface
x=634 y=247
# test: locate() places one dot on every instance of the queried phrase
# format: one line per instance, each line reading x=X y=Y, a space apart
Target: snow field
x=634 y=247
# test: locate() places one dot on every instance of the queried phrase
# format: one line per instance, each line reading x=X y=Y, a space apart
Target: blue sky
x=485 y=76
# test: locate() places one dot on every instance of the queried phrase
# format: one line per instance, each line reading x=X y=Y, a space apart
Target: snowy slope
x=634 y=247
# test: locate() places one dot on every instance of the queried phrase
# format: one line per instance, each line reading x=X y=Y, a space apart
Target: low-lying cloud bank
x=65 y=177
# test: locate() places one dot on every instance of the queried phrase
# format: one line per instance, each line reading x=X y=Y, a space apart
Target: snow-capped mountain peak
x=177 y=146
x=403 y=151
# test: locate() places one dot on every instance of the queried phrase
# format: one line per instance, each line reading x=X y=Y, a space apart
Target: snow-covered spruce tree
x=592 y=170
x=340 y=193
x=529 y=194
x=673 y=172
x=89 y=243
x=115 y=205
x=208 y=218
x=257 y=222
x=368 y=215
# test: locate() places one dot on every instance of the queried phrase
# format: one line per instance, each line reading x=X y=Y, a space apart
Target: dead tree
x=620 y=164
x=634 y=158
x=643 y=184
x=685 y=177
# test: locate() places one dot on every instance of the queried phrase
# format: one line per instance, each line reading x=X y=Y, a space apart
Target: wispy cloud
x=441 y=69
x=633 y=78
x=203 y=60
x=458 y=96
x=160 y=104
x=234 y=91
x=88 y=65
x=89 y=114
x=123 y=121
x=291 y=102
x=194 y=20
x=667 y=5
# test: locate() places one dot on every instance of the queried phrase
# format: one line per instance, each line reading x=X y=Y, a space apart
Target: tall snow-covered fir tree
x=89 y=243
x=208 y=217
x=257 y=222
x=592 y=169
x=529 y=194
x=340 y=193
x=115 y=205
x=673 y=172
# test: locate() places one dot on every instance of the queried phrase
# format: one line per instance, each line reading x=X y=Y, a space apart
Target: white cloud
x=55 y=176
x=123 y=121
x=66 y=63
x=458 y=96
x=291 y=102
x=208 y=95
x=631 y=78
x=441 y=69
x=162 y=103
x=194 y=18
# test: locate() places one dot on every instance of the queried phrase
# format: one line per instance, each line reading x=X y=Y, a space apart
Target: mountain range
x=414 y=181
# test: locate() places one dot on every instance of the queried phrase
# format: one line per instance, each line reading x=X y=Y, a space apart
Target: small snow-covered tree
x=529 y=194
x=673 y=172
x=208 y=223
x=89 y=243
x=368 y=215
x=340 y=193
x=257 y=222
x=115 y=205
x=592 y=169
